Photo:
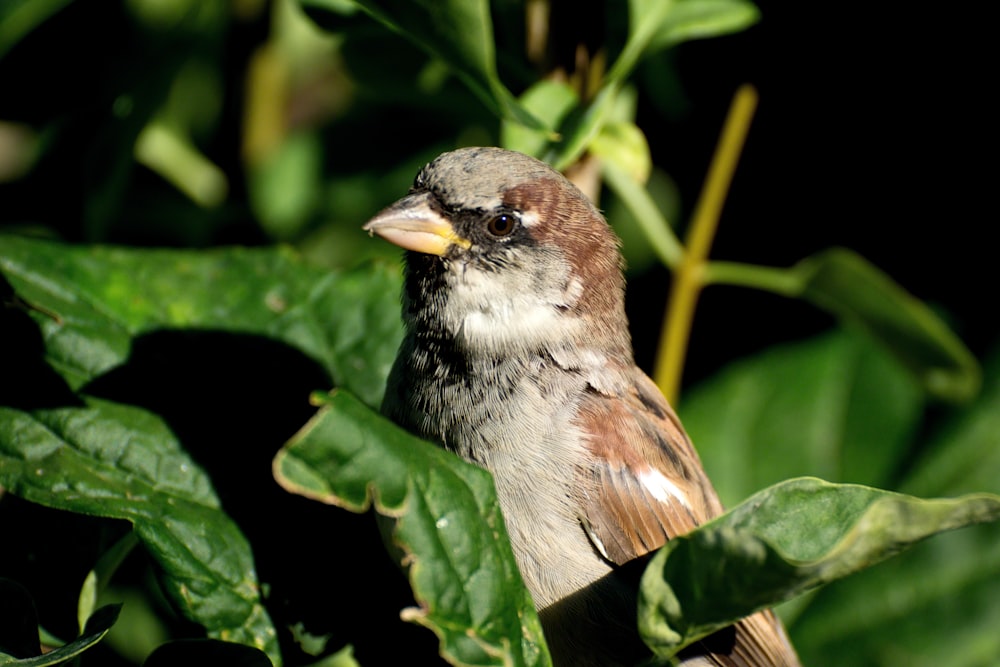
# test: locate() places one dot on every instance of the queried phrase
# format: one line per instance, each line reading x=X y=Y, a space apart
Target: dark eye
x=501 y=225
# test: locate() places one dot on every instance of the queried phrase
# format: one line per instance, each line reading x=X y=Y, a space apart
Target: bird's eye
x=501 y=225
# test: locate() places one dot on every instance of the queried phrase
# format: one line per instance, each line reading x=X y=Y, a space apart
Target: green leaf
x=624 y=145
x=97 y=626
x=580 y=128
x=644 y=20
x=645 y=212
x=284 y=186
x=460 y=33
x=837 y=406
x=855 y=290
x=122 y=462
x=550 y=101
x=847 y=285
x=965 y=454
x=99 y=576
x=647 y=238
x=701 y=19
x=657 y=24
x=18 y=18
x=936 y=604
x=781 y=542
x=446 y=521
x=100 y=298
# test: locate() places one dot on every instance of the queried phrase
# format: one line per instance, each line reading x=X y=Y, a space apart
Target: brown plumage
x=517 y=357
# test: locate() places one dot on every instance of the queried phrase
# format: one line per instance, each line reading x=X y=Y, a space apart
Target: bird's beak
x=412 y=224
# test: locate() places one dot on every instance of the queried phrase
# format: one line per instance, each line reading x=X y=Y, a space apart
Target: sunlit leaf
x=550 y=101
x=783 y=541
x=624 y=145
x=446 y=521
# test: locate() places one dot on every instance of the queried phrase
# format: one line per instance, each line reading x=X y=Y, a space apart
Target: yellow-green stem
x=689 y=277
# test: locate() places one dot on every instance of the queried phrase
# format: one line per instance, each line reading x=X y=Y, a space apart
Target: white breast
x=508 y=315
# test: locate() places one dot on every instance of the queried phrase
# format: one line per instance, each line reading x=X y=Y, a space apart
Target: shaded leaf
x=644 y=20
x=284 y=185
x=18 y=18
x=97 y=626
x=654 y=25
x=846 y=284
x=938 y=603
x=645 y=212
x=580 y=128
x=649 y=239
x=18 y=621
x=99 y=576
x=105 y=296
x=206 y=651
x=459 y=32
x=837 y=407
x=783 y=541
x=965 y=454
x=447 y=522
x=121 y=462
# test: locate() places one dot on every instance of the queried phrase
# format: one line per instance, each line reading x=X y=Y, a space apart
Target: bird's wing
x=646 y=486
x=646 y=483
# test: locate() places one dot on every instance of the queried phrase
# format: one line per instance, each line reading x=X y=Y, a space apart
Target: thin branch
x=690 y=276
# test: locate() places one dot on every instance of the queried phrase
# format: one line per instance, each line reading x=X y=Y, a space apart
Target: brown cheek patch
x=565 y=215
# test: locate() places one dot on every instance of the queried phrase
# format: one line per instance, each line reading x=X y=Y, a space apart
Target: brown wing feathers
x=633 y=509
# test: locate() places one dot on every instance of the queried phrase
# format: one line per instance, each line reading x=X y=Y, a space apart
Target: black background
x=875 y=131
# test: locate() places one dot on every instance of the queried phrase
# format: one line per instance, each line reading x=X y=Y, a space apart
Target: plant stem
x=786 y=282
x=690 y=275
x=640 y=204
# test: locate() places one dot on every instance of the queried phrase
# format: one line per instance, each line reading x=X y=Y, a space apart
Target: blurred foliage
x=152 y=386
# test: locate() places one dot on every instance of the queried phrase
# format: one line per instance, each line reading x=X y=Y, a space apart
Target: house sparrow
x=517 y=357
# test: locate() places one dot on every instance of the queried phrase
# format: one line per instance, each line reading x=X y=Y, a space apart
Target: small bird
x=517 y=357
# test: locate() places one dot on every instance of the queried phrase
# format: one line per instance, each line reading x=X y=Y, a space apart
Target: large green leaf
x=459 y=32
x=91 y=303
x=781 y=542
x=101 y=298
x=836 y=407
x=446 y=521
x=117 y=461
x=937 y=604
